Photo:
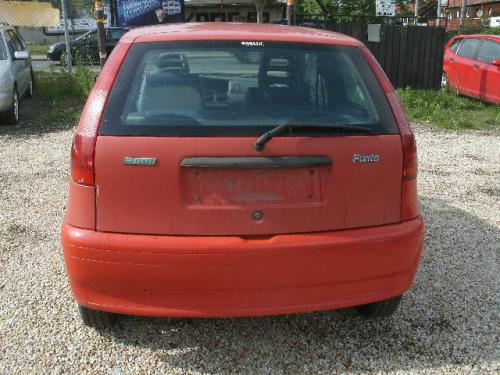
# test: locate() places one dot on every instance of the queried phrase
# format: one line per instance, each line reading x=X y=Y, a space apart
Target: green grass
x=38 y=49
x=492 y=31
x=58 y=97
x=447 y=109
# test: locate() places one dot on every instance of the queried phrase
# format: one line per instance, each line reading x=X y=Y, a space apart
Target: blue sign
x=149 y=12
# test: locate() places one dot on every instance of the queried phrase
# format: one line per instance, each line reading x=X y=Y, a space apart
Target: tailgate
x=221 y=186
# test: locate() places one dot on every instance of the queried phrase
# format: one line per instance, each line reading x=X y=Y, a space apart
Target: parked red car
x=206 y=185
x=472 y=66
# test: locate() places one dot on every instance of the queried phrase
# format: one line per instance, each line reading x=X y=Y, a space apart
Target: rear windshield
x=242 y=88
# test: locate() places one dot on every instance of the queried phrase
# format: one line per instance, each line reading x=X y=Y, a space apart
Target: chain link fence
x=41 y=25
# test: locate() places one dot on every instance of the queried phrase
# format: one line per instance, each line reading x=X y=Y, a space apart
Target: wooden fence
x=411 y=56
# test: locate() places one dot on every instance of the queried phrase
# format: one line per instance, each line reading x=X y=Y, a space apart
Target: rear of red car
x=175 y=209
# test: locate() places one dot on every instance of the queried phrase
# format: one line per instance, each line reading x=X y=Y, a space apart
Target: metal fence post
x=290 y=4
x=463 y=5
x=416 y=12
x=101 y=35
x=69 y=59
x=438 y=12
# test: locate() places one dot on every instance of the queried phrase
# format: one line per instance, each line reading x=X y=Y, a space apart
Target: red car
x=206 y=185
x=472 y=66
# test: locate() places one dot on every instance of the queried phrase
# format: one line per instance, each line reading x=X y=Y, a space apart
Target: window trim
x=459 y=40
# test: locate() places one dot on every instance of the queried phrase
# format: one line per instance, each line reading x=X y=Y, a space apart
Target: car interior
x=177 y=85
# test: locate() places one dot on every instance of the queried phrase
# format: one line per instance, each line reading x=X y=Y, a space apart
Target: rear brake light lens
x=82 y=151
x=407 y=137
x=82 y=160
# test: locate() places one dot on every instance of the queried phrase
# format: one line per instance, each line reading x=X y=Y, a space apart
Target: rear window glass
x=231 y=88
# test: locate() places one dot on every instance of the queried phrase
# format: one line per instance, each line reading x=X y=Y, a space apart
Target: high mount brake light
x=409 y=188
x=82 y=151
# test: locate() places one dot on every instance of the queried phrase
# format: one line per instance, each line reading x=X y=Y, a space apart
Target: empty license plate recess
x=249 y=181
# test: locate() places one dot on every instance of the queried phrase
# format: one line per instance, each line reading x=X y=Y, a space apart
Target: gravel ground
x=448 y=322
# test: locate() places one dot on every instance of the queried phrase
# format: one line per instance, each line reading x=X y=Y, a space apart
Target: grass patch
x=447 y=109
x=58 y=97
x=492 y=31
x=38 y=49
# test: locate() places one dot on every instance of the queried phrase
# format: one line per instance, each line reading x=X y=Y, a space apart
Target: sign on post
x=149 y=12
x=385 y=8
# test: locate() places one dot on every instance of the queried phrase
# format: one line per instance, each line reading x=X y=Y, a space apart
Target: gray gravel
x=448 y=322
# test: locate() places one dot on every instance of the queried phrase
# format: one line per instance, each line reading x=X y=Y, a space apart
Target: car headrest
x=172 y=62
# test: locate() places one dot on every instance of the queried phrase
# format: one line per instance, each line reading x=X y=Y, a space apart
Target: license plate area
x=294 y=182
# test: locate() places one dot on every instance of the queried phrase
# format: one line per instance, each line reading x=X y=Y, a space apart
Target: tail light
x=409 y=199
x=82 y=151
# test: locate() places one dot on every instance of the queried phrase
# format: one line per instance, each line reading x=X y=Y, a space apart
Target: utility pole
x=290 y=10
x=69 y=60
x=462 y=16
x=416 y=12
x=101 y=35
x=438 y=12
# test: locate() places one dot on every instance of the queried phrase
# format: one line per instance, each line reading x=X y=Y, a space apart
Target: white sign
x=172 y=7
x=385 y=7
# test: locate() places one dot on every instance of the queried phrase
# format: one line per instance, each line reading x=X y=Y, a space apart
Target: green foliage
x=38 y=49
x=491 y=31
x=57 y=85
x=59 y=96
x=309 y=7
x=447 y=109
x=84 y=80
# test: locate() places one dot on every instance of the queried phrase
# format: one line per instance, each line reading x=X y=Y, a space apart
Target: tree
x=259 y=8
x=260 y=5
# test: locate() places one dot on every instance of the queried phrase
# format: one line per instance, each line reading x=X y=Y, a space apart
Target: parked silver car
x=16 y=73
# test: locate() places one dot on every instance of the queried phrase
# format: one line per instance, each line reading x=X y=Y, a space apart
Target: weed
x=38 y=49
x=448 y=109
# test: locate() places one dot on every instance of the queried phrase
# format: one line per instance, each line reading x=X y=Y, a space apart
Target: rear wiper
x=283 y=128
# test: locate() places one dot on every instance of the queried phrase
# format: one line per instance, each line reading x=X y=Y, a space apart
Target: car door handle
x=451 y=59
x=476 y=66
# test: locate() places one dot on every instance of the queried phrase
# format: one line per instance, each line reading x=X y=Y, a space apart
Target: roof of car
x=236 y=31
x=481 y=36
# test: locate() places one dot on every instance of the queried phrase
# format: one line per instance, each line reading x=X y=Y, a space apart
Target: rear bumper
x=234 y=276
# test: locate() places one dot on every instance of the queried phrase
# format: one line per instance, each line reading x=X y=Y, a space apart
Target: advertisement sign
x=149 y=12
x=385 y=7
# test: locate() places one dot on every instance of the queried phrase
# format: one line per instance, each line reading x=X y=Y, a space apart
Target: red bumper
x=234 y=276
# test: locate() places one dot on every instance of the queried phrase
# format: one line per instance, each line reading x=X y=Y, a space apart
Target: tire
x=29 y=91
x=381 y=309
x=12 y=115
x=97 y=319
x=444 y=80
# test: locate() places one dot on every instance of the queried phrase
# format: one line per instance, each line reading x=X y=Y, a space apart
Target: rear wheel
x=381 y=309
x=12 y=115
x=96 y=319
x=29 y=91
